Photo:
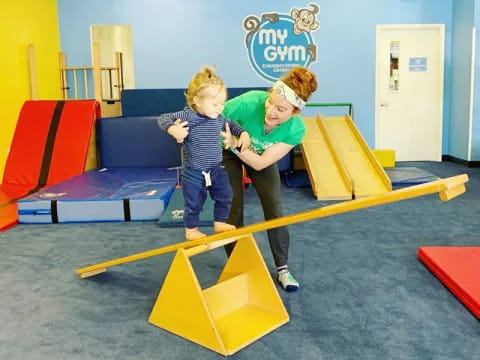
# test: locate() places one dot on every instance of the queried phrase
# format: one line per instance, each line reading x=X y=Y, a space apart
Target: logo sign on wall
x=277 y=42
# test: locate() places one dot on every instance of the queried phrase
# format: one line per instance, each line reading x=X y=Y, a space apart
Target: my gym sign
x=276 y=42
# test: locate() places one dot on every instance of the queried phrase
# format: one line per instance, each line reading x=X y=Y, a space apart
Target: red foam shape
x=28 y=143
x=70 y=148
x=72 y=140
x=13 y=191
x=8 y=217
x=69 y=154
x=458 y=268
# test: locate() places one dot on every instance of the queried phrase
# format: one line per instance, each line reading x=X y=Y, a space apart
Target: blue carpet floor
x=364 y=294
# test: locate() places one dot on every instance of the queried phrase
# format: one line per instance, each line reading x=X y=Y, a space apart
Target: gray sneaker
x=287 y=281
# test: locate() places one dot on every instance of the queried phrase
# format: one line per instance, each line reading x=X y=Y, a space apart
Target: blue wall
x=463 y=17
x=476 y=98
x=173 y=39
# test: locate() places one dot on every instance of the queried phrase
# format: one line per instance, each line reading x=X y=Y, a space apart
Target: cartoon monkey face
x=305 y=19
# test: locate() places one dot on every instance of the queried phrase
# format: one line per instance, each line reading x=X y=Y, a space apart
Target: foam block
x=385 y=157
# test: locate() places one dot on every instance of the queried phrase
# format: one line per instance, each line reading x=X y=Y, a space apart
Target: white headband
x=284 y=90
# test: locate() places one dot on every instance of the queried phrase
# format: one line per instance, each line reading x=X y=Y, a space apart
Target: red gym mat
x=8 y=216
x=50 y=145
x=458 y=268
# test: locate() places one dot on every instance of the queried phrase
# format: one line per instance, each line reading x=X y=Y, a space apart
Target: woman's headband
x=284 y=90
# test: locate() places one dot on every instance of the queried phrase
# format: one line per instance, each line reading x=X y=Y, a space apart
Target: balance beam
x=447 y=188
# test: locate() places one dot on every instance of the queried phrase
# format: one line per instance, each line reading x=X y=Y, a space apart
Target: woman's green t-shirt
x=248 y=110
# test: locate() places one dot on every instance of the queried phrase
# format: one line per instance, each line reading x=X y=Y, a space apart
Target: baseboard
x=467 y=163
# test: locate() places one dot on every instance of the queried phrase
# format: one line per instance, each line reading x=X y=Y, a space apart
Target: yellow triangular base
x=240 y=308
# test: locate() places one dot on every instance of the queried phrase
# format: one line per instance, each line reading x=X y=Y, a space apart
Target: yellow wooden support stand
x=240 y=308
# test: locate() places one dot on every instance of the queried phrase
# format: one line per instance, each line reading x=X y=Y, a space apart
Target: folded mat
x=107 y=194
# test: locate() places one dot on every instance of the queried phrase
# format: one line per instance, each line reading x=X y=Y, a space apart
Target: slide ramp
x=341 y=155
x=328 y=176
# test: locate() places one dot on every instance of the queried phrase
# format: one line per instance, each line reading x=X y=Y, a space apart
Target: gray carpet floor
x=364 y=294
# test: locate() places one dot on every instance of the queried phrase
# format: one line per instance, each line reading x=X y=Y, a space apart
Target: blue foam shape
x=400 y=176
x=409 y=176
x=136 y=142
x=98 y=195
x=154 y=102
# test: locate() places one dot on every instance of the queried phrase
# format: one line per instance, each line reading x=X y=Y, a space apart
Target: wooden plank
x=62 y=62
x=97 y=76
x=32 y=71
x=437 y=186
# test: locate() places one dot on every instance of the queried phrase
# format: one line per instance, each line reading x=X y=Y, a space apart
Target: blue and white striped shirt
x=202 y=148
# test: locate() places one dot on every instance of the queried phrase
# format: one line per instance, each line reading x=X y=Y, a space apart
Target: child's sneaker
x=287 y=281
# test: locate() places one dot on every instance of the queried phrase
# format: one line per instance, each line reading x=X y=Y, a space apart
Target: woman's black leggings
x=267 y=186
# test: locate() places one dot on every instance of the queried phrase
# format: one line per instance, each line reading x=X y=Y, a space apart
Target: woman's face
x=278 y=110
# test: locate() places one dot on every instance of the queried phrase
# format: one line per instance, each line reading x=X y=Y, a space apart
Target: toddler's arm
x=175 y=124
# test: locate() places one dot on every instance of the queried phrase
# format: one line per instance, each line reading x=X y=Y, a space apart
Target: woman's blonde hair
x=301 y=80
x=201 y=83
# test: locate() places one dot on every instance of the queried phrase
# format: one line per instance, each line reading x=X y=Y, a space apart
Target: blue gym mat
x=399 y=176
x=107 y=194
x=407 y=176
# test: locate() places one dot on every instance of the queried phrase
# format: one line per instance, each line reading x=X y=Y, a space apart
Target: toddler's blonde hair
x=203 y=84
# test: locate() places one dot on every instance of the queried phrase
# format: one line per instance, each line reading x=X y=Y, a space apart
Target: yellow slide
x=339 y=162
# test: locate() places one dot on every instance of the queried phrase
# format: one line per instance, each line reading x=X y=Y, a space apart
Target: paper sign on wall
x=417 y=64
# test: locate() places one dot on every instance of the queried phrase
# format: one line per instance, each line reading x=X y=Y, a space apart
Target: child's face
x=212 y=101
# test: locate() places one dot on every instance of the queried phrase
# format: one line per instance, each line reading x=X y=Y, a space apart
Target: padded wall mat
x=458 y=268
x=136 y=142
x=107 y=194
x=154 y=102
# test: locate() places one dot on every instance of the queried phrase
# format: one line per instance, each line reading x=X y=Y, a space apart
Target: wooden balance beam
x=447 y=188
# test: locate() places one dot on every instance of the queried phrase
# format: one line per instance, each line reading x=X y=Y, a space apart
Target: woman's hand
x=179 y=130
x=244 y=141
x=229 y=140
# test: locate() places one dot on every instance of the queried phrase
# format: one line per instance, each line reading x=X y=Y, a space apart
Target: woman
x=273 y=122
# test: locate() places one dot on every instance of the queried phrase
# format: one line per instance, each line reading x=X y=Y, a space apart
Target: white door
x=409 y=91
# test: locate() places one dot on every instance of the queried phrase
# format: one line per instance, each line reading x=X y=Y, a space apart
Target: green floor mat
x=172 y=216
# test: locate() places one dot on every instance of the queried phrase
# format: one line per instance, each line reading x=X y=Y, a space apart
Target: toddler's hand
x=179 y=130
x=229 y=140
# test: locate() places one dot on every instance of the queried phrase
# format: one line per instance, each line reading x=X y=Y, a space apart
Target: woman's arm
x=269 y=156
